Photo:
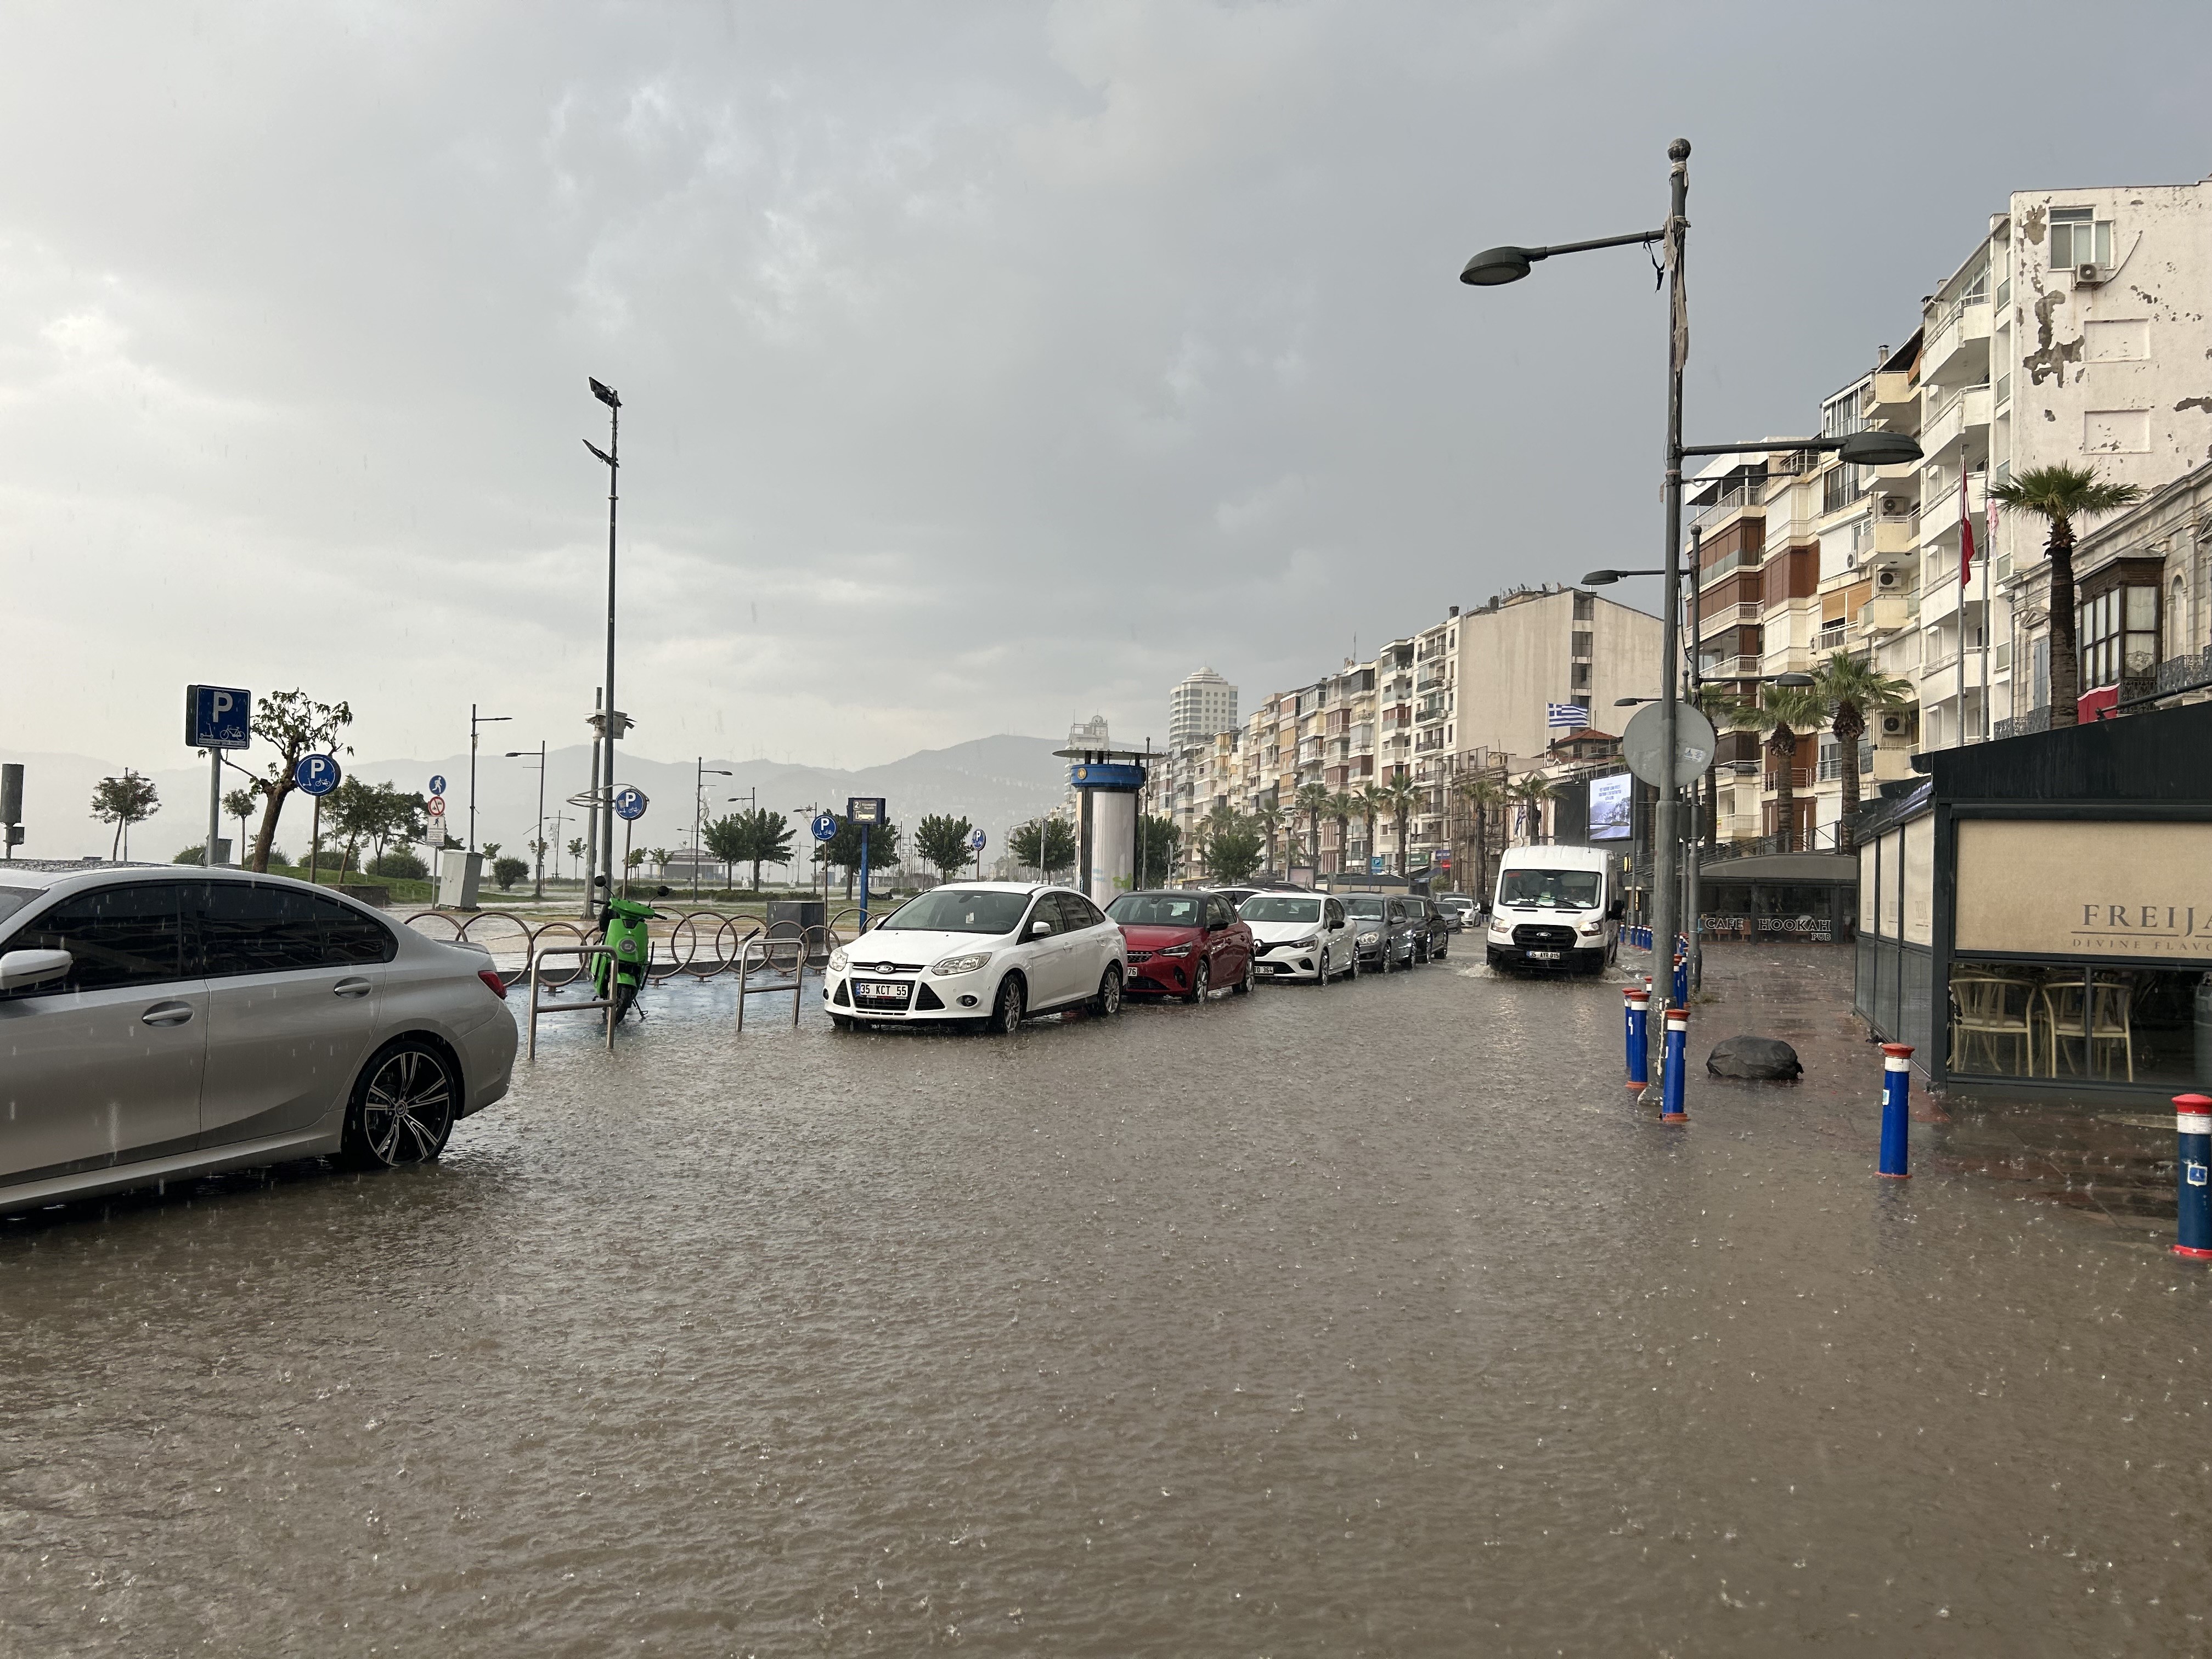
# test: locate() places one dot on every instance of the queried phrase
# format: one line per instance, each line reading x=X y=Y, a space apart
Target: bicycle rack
x=804 y=945
x=584 y=953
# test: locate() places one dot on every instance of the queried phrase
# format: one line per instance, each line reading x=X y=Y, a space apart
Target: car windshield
x=13 y=899
x=1363 y=907
x=1575 y=887
x=1158 y=910
x=960 y=910
x=1267 y=906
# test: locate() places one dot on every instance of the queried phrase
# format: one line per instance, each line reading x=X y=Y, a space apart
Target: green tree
x=1313 y=799
x=1481 y=794
x=1529 y=792
x=944 y=843
x=842 y=850
x=1853 y=687
x=238 y=804
x=2059 y=495
x=725 y=838
x=1047 y=845
x=1343 y=807
x=1403 y=795
x=767 y=838
x=491 y=850
x=1234 y=851
x=1783 y=712
x=292 y=724
x=576 y=850
x=353 y=810
x=1717 y=701
x=1374 y=800
x=123 y=802
x=1268 y=816
x=507 y=871
x=1159 y=841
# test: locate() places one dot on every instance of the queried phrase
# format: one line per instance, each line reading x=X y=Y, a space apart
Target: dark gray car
x=1383 y=927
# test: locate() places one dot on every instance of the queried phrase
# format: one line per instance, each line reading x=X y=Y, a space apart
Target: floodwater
x=1374 y=1319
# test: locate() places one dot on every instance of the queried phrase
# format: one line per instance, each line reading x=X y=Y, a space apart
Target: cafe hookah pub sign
x=2084 y=888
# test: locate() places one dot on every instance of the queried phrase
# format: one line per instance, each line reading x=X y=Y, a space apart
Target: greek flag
x=1568 y=714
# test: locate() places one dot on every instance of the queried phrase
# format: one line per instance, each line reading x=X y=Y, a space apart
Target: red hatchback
x=1183 y=944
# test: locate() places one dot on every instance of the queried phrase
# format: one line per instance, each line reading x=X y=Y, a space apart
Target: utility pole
x=611 y=456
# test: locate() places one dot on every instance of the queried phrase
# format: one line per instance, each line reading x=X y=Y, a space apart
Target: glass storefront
x=2079 y=1022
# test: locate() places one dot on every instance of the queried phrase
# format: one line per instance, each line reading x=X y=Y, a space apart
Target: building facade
x=1202 y=704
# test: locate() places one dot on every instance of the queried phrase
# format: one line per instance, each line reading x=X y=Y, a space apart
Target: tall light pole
x=612 y=457
x=699 y=777
x=475 y=721
x=537 y=842
x=1495 y=266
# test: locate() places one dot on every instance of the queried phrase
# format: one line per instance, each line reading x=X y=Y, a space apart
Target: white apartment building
x=1202 y=704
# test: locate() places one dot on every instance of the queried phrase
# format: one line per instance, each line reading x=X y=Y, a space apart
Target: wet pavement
x=1373 y=1320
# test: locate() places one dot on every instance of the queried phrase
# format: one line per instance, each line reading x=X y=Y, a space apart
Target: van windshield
x=1577 y=888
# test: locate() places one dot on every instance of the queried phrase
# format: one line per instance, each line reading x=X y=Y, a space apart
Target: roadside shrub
x=399 y=866
x=507 y=871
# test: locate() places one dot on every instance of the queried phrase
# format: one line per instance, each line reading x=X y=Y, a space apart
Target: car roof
x=77 y=877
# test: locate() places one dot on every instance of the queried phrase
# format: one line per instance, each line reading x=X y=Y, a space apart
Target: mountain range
x=995 y=782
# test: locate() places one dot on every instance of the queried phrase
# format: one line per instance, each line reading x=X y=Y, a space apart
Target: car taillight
x=490 y=976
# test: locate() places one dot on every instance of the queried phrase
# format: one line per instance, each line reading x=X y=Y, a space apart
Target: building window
x=1585 y=606
x=1841 y=487
x=1582 y=677
x=2118 y=632
x=2078 y=237
x=1578 y=644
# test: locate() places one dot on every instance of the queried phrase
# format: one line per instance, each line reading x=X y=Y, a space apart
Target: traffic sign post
x=630 y=802
x=976 y=842
x=866 y=813
x=315 y=776
x=216 y=717
x=438 y=785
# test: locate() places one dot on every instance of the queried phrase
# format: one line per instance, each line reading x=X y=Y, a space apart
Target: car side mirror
x=19 y=969
x=1039 y=929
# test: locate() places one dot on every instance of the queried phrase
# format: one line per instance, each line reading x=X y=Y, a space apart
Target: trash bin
x=790 y=918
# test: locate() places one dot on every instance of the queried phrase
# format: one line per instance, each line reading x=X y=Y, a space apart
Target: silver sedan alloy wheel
x=407 y=1110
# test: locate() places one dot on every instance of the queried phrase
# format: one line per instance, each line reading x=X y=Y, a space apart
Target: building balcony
x=1728 y=668
x=1713 y=618
x=1896 y=533
x=1737 y=500
x=1952 y=424
x=1884 y=614
x=1957 y=347
x=1894 y=400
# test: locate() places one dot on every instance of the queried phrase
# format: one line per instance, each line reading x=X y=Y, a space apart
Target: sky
x=983 y=364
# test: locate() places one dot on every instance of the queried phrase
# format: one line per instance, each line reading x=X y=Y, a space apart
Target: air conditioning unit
x=2087 y=276
x=1889 y=576
x=1894 y=725
x=1850 y=560
x=1894 y=506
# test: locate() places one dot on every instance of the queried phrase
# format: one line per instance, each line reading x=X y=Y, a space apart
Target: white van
x=1556 y=907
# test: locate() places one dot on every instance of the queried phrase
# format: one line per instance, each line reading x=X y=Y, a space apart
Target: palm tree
x=1401 y=796
x=1719 y=704
x=1529 y=792
x=1374 y=800
x=1852 y=687
x=2060 y=495
x=1480 y=794
x=1343 y=806
x=1782 y=712
x=1268 y=815
x=1312 y=799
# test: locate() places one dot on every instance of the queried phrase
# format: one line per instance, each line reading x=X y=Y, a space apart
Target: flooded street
x=1372 y=1320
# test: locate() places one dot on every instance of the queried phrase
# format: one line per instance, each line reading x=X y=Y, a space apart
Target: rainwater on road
x=1373 y=1320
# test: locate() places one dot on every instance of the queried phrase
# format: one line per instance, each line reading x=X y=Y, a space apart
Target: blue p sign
x=976 y=841
x=316 y=774
x=629 y=803
x=824 y=826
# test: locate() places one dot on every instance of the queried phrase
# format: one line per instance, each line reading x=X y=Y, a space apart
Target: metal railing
x=2015 y=725
x=800 y=946
x=584 y=953
x=701 y=942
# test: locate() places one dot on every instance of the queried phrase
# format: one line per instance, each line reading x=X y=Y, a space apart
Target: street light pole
x=698 y=804
x=475 y=721
x=611 y=456
x=537 y=844
x=1666 y=846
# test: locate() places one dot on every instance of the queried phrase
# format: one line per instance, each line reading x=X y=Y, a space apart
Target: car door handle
x=166 y=1013
x=352 y=988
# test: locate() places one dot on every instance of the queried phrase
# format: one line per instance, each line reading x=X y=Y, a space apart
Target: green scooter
x=623 y=923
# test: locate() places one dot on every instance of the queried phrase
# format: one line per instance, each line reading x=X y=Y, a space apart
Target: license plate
x=1270 y=969
x=1546 y=956
x=882 y=990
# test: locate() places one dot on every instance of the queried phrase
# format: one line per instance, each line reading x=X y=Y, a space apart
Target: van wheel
x=402 y=1108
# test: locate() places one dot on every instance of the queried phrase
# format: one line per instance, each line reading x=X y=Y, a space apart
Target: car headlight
x=1175 y=950
x=1369 y=938
x=1305 y=944
x=838 y=960
x=967 y=965
x=1593 y=928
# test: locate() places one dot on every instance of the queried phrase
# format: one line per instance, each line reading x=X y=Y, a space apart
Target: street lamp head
x=1873 y=448
x=1792 y=679
x=1494 y=266
x=1631 y=702
x=1601 y=577
x=605 y=394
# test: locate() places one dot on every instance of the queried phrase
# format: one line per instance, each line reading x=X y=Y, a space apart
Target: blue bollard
x=1896 y=1109
x=1671 y=1063
x=1640 y=1042
x=2192 y=1121
x=1681 y=981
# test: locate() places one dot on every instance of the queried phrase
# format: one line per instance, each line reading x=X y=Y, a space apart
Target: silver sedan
x=157 y=1023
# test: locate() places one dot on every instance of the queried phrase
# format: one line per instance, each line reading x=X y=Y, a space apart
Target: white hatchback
x=984 y=953
x=1300 y=936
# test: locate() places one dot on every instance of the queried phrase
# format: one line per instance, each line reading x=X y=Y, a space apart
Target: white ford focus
x=986 y=952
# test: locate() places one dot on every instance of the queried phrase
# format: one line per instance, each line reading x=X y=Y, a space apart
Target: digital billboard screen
x=1609 y=798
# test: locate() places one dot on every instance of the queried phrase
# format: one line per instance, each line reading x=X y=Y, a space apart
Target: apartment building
x=1202 y=704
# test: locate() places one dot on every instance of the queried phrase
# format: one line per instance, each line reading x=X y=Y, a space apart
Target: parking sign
x=218 y=717
x=317 y=774
x=630 y=802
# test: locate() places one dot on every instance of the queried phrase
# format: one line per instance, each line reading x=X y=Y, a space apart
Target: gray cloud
x=983 y=363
